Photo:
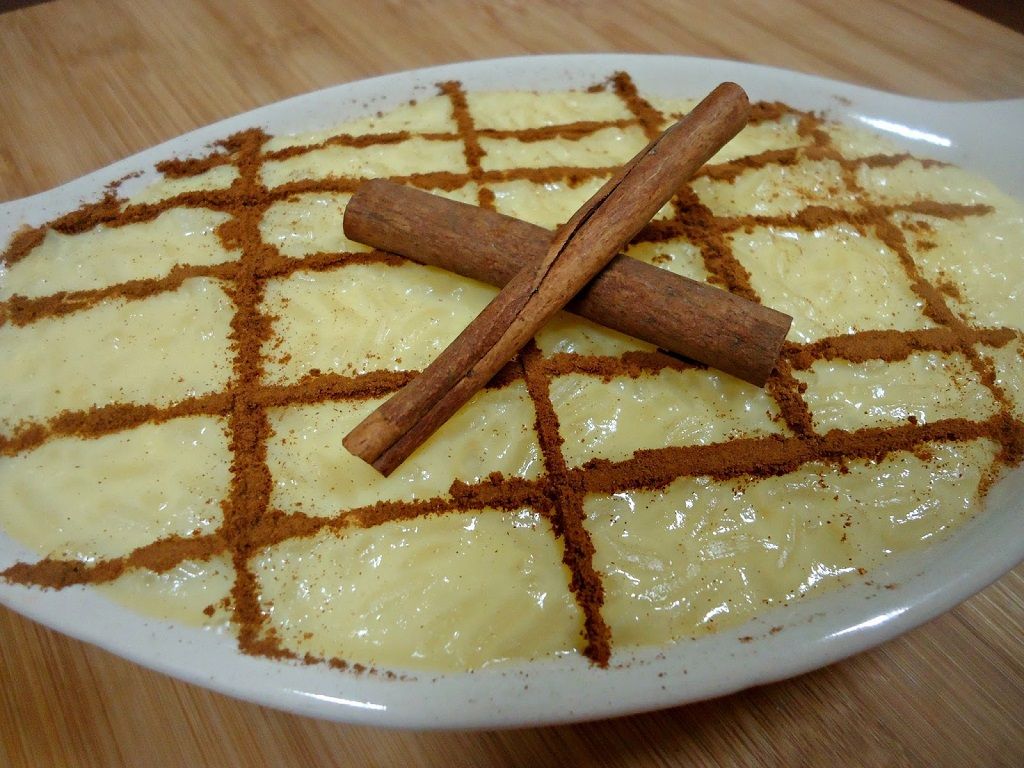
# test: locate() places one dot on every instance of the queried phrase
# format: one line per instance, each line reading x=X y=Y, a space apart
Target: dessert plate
x=982 y=137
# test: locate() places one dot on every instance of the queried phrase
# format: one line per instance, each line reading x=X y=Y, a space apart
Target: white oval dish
x=817 y=631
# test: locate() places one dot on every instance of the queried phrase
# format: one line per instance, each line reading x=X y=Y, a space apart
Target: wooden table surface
x=84 y=83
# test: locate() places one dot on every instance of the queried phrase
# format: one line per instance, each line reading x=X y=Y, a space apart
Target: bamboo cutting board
x=84 y=83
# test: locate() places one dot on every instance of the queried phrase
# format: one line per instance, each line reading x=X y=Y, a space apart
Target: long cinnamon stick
x=579 y=250
x=675 y=313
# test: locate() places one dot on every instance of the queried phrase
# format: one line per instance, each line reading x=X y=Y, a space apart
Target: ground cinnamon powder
x=251 y=523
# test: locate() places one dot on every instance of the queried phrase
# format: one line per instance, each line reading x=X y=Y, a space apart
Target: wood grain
x=84 y=83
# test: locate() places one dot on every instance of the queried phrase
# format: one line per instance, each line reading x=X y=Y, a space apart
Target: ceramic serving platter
x=979 y=136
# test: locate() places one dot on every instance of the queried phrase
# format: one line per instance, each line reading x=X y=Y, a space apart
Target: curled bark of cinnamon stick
x=578 y=251
x=675 y=313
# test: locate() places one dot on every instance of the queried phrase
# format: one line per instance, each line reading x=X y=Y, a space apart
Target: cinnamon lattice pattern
x=252 y=522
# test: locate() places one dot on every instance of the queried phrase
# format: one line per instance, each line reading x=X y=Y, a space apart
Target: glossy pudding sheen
x=181 y=366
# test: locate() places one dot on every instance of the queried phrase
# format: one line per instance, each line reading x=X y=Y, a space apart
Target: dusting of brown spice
x=251 y=523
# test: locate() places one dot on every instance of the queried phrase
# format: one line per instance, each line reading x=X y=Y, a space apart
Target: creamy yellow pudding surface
x=180 y=368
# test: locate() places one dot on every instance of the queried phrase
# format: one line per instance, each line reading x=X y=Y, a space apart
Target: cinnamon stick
x=578 y=251
x=673 y=312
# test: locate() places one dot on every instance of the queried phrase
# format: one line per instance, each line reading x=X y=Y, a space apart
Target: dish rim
x=818 y=631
